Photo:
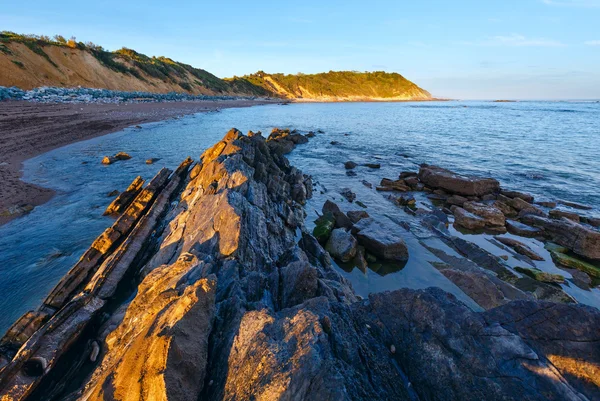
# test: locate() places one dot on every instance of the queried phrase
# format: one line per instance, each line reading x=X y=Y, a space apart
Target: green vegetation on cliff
x=66 y=62
x=342 y=85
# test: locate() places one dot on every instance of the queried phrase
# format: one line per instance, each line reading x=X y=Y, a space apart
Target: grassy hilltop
x=29 y=61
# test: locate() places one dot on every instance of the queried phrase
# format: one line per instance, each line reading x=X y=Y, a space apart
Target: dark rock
x=382 y=241
x=407 y=174
x=575 y=205
x=348 y=194
x=113 y=193
x=412 y=182
x=152 y=160
x=372 y=165
x=335 y=143
x=566 y=334
x=437 y=177
x=351 y=173
x=356 y=215
x=367 y=184
x=350 y=165
x=341 y=220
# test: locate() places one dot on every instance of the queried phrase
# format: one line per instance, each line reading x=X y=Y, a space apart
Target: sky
x=470 y=49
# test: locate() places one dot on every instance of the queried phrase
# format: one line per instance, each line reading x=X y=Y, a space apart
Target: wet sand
x=30 y=129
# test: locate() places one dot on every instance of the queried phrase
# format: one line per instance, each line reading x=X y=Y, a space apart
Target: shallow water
x=546 y=148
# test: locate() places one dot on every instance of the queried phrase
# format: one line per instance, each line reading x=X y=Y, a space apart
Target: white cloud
x=592 y=43
x=573 y=3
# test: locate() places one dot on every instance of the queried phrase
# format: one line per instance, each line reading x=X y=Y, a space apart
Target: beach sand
x=30 y=129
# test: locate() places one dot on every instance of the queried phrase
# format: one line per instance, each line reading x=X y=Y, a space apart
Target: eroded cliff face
x=235 y=300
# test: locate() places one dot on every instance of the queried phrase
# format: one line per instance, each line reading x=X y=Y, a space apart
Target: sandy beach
x=30 y=129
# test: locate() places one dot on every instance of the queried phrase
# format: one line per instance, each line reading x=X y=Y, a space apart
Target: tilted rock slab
x=437 y=177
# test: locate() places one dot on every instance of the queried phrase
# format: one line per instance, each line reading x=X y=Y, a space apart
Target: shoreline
x=30 y=129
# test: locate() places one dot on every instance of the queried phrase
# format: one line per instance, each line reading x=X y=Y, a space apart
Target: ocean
x=549 y=149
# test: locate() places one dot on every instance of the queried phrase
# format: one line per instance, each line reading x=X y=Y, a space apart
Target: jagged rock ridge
x=237 y=301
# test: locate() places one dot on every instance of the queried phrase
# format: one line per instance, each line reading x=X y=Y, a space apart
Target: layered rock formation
x=234 y=299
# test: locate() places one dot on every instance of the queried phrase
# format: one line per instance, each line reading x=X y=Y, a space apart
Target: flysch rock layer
x=237 y=301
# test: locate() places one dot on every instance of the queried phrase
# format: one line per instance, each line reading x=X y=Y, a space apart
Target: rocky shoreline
x=209 y=286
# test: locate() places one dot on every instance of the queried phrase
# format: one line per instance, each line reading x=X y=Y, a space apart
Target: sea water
x=549 y=149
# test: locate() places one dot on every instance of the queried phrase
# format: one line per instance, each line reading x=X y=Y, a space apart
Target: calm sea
x=550 y=149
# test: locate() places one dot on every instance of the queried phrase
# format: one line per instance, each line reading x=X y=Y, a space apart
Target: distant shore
x=30 y=129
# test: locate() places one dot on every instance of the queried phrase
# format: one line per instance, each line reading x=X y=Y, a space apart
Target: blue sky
x=471 y=49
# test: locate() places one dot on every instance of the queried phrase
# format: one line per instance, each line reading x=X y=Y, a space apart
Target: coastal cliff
x=209 y=286
x=338 y=86
x=29 y=62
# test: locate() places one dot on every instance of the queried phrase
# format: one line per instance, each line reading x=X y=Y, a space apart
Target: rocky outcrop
x=578 y=238
x=437 y=177
x=233 y=299
x=126 y=197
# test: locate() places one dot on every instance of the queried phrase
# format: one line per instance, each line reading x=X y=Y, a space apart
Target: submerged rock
x=350 y=165
x=542 y=276
x=519 y=247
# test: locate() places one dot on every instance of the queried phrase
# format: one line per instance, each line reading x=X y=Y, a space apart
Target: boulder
x=122 y=156
x=467 y=219
x=437 y=177
x=350 y=165
x=580 y=239
x=341 y=245
x=383 y=242
x=492 y=216
x=341 y=220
